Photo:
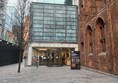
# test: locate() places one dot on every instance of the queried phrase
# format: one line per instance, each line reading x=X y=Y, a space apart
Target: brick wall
x=90 y=12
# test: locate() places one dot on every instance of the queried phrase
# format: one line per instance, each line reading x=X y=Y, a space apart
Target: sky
x=11 y=2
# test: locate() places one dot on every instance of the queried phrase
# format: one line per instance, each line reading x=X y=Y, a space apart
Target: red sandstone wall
x=89 y=13
x=26 y=29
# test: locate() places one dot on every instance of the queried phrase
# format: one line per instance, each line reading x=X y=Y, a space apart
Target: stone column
x=30 y=55
x=109 y=36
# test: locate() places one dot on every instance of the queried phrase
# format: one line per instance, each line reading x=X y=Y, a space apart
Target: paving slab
x=44 y=74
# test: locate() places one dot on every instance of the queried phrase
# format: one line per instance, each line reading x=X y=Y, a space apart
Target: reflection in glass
x=54 y=23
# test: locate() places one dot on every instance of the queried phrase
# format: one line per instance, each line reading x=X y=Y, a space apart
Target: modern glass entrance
x=52 y=56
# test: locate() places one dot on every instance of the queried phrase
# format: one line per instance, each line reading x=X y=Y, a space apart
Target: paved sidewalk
x=44 y=74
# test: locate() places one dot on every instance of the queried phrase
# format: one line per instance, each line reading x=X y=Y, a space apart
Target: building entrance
x=52 y=56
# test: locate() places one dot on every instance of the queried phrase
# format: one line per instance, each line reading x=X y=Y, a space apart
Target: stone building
x=98 y=34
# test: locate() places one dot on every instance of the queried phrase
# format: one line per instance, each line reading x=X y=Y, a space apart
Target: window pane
x=60 y=34
x=60 y=30
x=71 y=31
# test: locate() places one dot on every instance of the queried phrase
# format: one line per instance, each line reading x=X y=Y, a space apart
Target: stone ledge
x=90 y=54
x=102 y=54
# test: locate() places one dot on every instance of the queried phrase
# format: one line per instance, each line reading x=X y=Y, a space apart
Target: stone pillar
x=109 y=36
x=30 y=55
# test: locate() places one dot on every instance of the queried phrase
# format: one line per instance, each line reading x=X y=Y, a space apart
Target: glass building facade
x=53 y=1
x=53 y=23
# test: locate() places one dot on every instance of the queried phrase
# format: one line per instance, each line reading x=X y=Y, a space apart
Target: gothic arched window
x=101 y=34
x=89 y=40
